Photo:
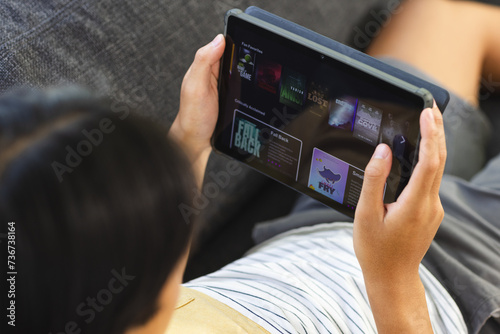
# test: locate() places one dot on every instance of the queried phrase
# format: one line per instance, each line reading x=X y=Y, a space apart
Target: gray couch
x=136 y=53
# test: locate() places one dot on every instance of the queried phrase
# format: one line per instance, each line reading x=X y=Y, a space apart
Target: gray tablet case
x=441 y=96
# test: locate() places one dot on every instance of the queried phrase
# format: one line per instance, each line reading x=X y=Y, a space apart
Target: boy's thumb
x=376 y=172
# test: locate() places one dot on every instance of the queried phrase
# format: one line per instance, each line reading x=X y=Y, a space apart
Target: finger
x=206 y=60
x=438 y=117
x=425 y=173
x=219 y=44
x=371 y=199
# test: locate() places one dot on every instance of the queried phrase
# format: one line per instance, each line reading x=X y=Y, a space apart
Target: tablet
x=310 y=117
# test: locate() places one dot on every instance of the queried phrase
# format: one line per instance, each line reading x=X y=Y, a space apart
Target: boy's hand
x=391 y=240
x=199 y=106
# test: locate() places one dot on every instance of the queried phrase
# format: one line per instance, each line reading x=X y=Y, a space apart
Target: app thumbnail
x=367 y=123
x=268 y=75
x=246 y=63
x=293 y=86
x=342 y=111
x=328 y=175
x=317 y=99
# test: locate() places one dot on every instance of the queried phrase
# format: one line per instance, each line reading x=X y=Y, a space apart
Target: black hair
x=94 y=199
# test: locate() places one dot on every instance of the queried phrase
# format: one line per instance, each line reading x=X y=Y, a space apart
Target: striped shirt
x=309 y=281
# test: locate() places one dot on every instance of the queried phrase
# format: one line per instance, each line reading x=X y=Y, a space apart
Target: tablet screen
x=308 y=120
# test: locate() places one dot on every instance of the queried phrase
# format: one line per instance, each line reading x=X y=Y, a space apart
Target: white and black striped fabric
x=309 y=281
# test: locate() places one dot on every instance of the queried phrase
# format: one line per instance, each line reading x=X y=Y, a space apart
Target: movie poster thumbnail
x=367 y=123
x=328 y=175
x=317 y=99
x=268 y=75
x=293 y=86
x=246 y=137
x=246 y=63
x=342 y=112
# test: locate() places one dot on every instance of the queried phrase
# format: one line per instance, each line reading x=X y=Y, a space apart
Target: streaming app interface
x=309 y=122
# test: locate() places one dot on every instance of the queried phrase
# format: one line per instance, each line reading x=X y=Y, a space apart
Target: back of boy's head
x=93 y=196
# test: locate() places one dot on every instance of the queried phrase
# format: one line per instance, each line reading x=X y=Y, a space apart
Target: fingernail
x=381 y=152
x=217 y=40
x=430 y=115
x=434 y=105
